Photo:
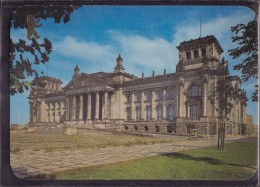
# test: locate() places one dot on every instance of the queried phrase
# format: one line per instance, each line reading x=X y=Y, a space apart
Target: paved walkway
x=37 y=163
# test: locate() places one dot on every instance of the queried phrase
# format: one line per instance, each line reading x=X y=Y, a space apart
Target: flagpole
x=200 y=25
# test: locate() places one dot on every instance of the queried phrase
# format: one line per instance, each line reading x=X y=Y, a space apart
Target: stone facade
x=175 y=102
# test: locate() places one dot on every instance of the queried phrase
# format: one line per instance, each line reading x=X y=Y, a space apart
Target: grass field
x=237 y=162
x=54 y=142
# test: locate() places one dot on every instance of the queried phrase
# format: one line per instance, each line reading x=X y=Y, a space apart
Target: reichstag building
x=168 y=103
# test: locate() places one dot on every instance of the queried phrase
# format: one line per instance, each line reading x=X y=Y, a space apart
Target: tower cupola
x=76 y=72
x=119 y=65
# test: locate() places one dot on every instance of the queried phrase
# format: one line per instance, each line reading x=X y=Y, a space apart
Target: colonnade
x=87 y=106
x=76 y=107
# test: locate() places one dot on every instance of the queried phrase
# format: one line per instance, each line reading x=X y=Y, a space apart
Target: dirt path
x=34 y=163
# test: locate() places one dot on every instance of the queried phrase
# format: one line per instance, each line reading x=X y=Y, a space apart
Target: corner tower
x=194 y=54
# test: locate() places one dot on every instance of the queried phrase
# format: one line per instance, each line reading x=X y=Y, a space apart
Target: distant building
x=248 y=127
x=171 y=102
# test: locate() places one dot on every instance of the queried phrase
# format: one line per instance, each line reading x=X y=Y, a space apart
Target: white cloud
x=86 y=52
x=82 y=49
x=220 y=27
x=144 y=52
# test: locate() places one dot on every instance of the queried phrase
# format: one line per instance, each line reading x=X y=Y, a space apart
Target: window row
x=148 y=95
x=157 y=129
x=195 y=54
x=159 y=113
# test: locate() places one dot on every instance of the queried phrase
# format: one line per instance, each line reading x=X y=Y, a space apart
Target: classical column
x=132 y=107
x=97 y=106
x=89 y=107
x=164 y=104
x=73 y=107
x=81 y=107
x=43 y=111
x=67 y=108
x=181 y=85
x=205 y=82
x=62 y=111
x=142 y=106
x=153 y=108
x=105 y=104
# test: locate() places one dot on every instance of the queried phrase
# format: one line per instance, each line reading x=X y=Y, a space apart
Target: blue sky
x=145 y=36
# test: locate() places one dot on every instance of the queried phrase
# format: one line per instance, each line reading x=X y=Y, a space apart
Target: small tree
x=224 y=94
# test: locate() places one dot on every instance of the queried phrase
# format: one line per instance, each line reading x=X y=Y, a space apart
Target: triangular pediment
x=84 y=80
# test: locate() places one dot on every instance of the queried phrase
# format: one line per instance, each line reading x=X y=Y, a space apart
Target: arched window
x=194 y=91
x=148 y=113
x=148 y=95
x=170 y=94
x=188 y=55
x=170 y=112
x=138 y=113
x=138 y=97
x=128 y=113
x=159 y=113
x=128 y=98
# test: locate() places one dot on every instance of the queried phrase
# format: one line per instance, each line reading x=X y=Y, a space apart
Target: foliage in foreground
x=246 y=36
x=237 y=162
x=25 y=54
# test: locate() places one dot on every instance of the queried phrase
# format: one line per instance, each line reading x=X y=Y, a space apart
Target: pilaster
x=142 y=106
x=132 y=107
x=205 y=84
x=164 y=104
x=153 y=107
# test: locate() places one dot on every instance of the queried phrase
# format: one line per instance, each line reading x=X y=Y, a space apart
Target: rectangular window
x=203 y=52
x=138 y=114
x=159 y=113
x=188 y=55
x=196 y=54
x=194 y=111
x=157 y=129
x=148 y=113
x=128 y=111
x=170 y=112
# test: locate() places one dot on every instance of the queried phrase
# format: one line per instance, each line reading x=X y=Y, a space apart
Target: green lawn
x=237 y=162
x=20 y=141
